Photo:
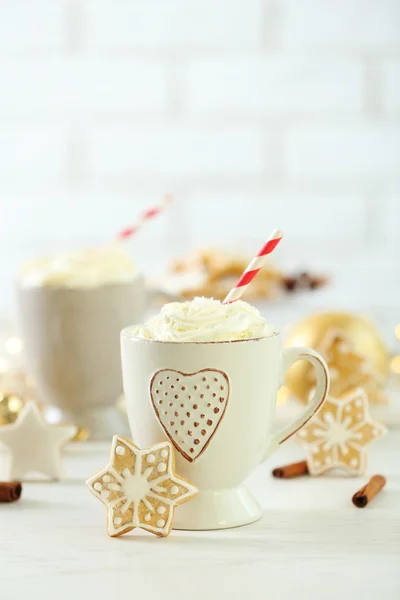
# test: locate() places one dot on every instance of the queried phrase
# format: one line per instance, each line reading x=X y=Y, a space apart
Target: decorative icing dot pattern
x=337 y=434
x=140 y=488
x=202 y=395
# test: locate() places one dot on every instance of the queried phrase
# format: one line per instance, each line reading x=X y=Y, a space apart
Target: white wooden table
x=312 y=543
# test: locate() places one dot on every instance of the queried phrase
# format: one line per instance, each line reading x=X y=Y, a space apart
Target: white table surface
x=312 y=543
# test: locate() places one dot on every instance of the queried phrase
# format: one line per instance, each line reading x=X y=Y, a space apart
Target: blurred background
x=255 y=114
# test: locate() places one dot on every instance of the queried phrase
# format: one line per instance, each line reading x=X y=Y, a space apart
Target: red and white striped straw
x=254 y=267
x=147 y=215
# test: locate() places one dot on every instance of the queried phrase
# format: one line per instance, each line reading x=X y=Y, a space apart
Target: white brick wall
x=392 y=224
x=342 y=24
x=277 y=86
x=81 y=86
x=255 y=114
x=391 y=86
x=32 y=153
x=114 y=24
x=27 y=25
x=360 y=151
x=175 y=150
x=326 y=218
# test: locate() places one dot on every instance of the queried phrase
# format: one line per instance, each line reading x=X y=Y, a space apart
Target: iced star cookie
x=140 y=488
x=337 y=434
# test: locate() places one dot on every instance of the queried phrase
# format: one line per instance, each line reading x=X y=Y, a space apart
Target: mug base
x=220 y=509
x=102 y=423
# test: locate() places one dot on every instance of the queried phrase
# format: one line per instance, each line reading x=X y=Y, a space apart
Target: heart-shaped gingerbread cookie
x=190 y=407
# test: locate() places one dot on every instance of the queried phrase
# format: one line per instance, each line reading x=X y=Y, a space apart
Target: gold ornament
x=82 y=435
x=348 y=370
x=10 y=407
x=18 y=383
x=16 y=390
x=395 y=364
x=365 y=345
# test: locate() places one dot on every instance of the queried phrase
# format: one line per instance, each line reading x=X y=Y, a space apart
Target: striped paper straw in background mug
x=254 y=267
x=147 y=215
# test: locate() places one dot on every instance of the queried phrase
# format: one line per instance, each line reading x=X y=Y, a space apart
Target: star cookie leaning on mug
x=338 y=433
x=140 y=488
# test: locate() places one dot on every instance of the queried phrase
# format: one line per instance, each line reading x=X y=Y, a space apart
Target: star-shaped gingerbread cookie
x=35 y=445
x=337 y=434
x=140 y=488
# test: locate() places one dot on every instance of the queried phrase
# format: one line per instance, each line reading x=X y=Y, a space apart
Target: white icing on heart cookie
x=190 y=407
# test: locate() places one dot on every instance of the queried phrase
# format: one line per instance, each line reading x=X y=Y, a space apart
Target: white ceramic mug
x=71 y=339
x=215 y=401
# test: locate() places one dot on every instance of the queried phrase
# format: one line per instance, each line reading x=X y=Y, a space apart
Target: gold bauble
x=10 y=407
x=360 y=332
x=82 y=434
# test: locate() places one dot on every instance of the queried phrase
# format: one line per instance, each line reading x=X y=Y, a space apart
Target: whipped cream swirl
x=204 y=320
x=84 y=268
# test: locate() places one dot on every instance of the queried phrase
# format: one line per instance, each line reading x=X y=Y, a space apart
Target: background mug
x=215 y=401
x=71 y=339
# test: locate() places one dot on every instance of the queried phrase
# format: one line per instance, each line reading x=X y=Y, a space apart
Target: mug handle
x=290 y=356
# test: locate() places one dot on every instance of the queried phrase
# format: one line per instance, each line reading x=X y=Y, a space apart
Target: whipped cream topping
x=86 y=267
x=204 y=320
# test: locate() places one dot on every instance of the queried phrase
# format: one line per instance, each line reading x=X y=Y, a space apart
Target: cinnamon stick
x=292 y=470
x=368 y=491
x=10 y=491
